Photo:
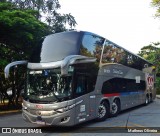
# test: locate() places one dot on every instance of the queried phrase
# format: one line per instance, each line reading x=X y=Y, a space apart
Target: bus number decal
x=150 y=80
x=138 y=79
x=82 y=108
x=83 y=119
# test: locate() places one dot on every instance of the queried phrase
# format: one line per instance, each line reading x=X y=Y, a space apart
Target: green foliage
x=156 y=4
x=158 y=85
x=6 y=6
x=152 y=54
x=19 y=30
x=47 y=11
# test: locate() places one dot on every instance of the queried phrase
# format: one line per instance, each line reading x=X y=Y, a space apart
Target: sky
x=128 y=23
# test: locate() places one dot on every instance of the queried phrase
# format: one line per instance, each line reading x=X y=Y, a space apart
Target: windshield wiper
x=44 y=93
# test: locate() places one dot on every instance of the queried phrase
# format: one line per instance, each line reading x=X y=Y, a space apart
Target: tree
x=47 y=12
x=148 y=52
x=152 y=54
x=21 y=28
x=20 y=31
x=156 y=4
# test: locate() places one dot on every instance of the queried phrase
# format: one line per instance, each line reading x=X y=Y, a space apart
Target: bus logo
x=39 y=106
x=150 y=80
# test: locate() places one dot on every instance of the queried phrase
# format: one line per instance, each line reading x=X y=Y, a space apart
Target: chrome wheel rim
x=101 y=111
x=147 y=100
x=114 y=108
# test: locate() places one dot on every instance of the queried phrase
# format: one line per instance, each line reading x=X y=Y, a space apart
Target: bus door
x=85 y=101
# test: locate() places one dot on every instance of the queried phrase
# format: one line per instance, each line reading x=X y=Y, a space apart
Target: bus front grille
x=41 y=113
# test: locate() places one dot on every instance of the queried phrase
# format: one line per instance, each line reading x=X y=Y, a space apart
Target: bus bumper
x=60 y=119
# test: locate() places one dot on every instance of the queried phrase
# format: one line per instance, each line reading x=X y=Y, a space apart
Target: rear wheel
x=151 y=98
x=146 y=100
x=103 y=111
x=115 y=108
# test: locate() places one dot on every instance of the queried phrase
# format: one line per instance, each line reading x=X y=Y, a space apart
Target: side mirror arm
x=7 y=68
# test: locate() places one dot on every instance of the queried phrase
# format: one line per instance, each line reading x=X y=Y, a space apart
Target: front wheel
x=103 y=111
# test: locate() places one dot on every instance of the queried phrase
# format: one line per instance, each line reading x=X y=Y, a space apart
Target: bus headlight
x=61 y=110
x=64 y=109
x=24 y=106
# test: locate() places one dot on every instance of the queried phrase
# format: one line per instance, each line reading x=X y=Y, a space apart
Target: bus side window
x=81 y=86
x=107 y=87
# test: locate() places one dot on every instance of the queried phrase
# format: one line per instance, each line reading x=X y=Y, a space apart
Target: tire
x=146 y=100
x=103 y=111
x=151 y=98
x=115 y=108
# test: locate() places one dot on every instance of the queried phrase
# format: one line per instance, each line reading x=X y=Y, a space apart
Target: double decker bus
x=77 y=76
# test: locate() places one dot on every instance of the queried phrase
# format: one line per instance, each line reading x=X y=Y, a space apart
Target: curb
x=9 y=112
x=158 y=96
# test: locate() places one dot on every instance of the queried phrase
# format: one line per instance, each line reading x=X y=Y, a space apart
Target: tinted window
x=85 y=76
x=114 y=54
x=117 y=85
x=56 y=47
x=92 y=46
x=81 y=86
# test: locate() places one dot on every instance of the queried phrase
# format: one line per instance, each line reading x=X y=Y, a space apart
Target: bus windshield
x=55 y=47
x=48 y=85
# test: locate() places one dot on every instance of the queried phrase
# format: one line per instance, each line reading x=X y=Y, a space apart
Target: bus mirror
x=64 y=71
x=74 y=59
x=7 y=68
x=67 y=62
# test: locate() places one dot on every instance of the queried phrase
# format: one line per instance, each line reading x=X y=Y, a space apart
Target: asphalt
x=18 y=111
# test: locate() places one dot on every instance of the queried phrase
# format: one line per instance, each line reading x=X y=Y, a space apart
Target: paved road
x=141 y=116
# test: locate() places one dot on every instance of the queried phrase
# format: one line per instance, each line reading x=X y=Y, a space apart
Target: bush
x=158 y=85
x=158 y=91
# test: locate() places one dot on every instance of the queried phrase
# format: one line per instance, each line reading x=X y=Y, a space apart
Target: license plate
x=40 y=122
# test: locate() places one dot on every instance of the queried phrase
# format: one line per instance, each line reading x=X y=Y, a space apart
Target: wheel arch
x=119 y=100
x=106 y=100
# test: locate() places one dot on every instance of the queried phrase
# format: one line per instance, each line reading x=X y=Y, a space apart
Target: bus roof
x=68 y=40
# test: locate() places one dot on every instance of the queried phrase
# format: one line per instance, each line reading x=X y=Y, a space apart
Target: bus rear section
x=124 y=87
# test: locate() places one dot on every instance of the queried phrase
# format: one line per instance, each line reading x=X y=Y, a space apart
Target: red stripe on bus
x=111 y=95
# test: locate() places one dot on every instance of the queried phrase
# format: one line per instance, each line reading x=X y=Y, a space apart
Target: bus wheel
x=115 y=108
x=151 y=98
x=103 y=111
x=146 y=100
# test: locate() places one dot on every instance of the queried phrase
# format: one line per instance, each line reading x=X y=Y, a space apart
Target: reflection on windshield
x=48 y=85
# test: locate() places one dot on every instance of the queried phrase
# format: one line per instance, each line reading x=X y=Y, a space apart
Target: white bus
x=76 y=76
